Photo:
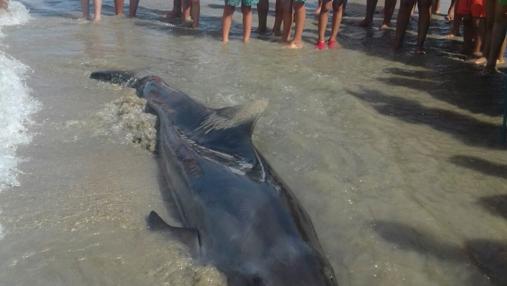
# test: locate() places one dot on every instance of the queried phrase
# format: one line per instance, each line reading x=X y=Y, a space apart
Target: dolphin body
x=236 y=213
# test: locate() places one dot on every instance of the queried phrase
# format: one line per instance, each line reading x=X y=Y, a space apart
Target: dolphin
x=237 y=214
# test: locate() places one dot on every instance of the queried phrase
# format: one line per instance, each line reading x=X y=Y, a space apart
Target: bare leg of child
x=118 y=7
x=195 y=12
x=85 y=6
x=176 y=11
x=317 y=11
x=262 y=11
x=97 y=6
x=402 y=22
x=371 y=5
x=300 y=15
x=388 y=13
x=479 y=37
x=468 y=35
x=185 y=15
x=436 y=7
x=323 y=18
x=450 y=12
x=287 y=19
x=227 y=22
x=497 y=37
x=247 y=22
x=133 y=4
x=424 y=7
x=501 y=59
x=277 y=27
x=337 y=19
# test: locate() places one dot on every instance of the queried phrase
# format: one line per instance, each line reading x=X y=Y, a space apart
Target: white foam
x=16 y=14
x=16 y=104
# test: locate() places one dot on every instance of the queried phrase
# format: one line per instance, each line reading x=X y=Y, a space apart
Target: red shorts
x=478 y=9
x=463 y=8
x=475 y=8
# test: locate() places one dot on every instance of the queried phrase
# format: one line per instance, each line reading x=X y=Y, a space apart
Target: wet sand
x=395 y=157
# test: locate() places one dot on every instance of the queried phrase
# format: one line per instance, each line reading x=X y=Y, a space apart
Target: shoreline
x=372 y=143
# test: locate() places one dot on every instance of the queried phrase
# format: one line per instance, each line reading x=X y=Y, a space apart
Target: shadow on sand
x=464 y=128
x=489 y=256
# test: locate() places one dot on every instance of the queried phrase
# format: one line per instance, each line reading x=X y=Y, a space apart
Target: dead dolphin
x=237 y=214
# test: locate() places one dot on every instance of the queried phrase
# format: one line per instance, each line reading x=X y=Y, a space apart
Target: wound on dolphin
x=237 y=214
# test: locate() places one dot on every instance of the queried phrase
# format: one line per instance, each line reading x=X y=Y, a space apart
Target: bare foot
x=480 y=61
x=96 y=19
x=173 y=14
x=500 y=61
x=488 y=71
x=365 y=23
x=420 y=51
x=385 y=26
x=262 y=31
x=293 y=45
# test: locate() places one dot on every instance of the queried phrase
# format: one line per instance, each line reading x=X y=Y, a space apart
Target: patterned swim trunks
x=237 y=3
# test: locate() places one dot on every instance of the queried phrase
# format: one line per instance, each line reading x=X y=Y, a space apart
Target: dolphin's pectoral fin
x=188 y=236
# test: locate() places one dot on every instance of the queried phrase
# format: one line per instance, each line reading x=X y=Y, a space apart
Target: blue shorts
x=236 y=3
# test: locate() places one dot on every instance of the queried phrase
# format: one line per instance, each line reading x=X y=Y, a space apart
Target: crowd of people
x=484 y=21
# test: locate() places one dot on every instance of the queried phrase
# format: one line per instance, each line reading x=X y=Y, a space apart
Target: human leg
x=424 y=7
x=195 y=12
x=300 y=15
x=118 y=7
x=227 y=22
x=287 y=19
x=262 y=11
x=97 y=7
x=338 y=7
x=402 y=22
x=323 y=18
x=497 y=36
x=371 y=5
x=247 y=22
x=85 y=6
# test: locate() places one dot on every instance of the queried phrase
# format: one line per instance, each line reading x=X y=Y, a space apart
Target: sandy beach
x=396 y=157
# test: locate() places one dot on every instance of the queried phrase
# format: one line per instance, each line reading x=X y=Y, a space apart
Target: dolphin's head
x=288 y=265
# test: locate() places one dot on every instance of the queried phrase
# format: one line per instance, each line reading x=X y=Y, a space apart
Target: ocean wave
x=16 y=14
x=16 y=104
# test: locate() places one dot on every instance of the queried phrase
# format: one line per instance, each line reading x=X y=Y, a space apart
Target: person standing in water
x=496 y=47
x=337 y=6
x=119 y=5
x=262 y=14
x=287 y=7
x=246 y=9
x=371 y=5
x=406 y=6
x=97 y=6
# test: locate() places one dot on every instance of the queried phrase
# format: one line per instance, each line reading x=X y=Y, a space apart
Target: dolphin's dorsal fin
x=188 y=236
x=233 y=116
x=229 y=129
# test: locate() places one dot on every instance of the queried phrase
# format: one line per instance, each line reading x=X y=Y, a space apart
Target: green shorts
x=236 y=3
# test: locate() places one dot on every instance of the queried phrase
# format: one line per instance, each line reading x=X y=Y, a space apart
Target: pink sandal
x=331 y=44
x=320 y=45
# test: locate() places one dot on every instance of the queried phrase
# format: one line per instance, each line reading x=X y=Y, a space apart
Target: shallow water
x=396 y=157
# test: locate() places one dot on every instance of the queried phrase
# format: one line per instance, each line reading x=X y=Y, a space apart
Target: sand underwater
x=396 y=157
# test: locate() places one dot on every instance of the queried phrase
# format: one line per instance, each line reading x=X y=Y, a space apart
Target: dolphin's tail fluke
x=124 y=78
